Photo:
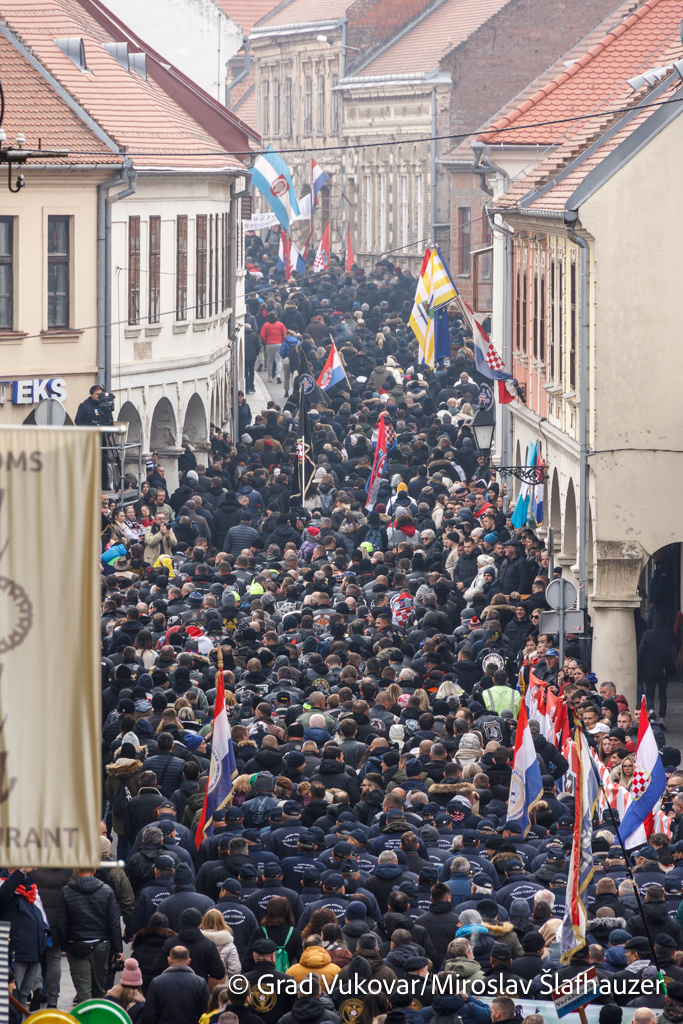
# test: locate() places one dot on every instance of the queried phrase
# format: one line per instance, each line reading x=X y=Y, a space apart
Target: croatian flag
x=379 y=467
x=272 y=177
x=333 y=371
x=526 y=785
x=318 y=179
x=647 y=787
x=222 y=768
x=322 y=257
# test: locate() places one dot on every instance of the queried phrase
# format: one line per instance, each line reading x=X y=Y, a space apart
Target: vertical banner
x=50 y=688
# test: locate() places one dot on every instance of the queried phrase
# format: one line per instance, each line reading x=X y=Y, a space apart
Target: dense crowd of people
x=374 y=664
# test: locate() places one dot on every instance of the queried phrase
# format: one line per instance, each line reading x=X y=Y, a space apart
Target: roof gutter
x=295 y=28
x=429 y=78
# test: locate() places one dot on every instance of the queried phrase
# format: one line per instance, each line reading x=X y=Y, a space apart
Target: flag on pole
x=647 y=786
x=389 y=434
x=539 y=487
x=304 y=251
x=520 y=514
x=283 y=254
x=349 y=258
x=422 y=316
x=297 y=259
x=573 y=931
x=322 y=257
x=332 y=372
x=443 y=289
x=271 y=176
x=378 y=467
x=318 y=179
x=526 y=785
x=222 y=767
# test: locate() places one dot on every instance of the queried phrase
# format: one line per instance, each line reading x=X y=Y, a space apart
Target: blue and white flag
x=526 y=784
x=521 y=512
x=647 y=787
x=318 y=179
x=272 y=177
x=222 y=768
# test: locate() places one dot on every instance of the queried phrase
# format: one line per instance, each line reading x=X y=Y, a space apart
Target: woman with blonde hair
x=423 y=698
x=144 y=646
x=214 y=928
x=448 y=689
x=623 y=773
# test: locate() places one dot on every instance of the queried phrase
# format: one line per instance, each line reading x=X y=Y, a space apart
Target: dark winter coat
x=441 y=922
x=88 y=910
x=184 y=896
x=147 y=943
x=205 y=959
x=28 y=934
x=168 y=770
x=177 y=996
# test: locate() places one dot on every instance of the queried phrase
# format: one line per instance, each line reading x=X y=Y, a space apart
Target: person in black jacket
x=440 y=921
x=513 y=570
x=206 y=960
x=333 y=775
x=555 y=762
x=146 y=945
x=167 y=768
x=178 y=994
x=89 y=929
x=466 y=567
x=140 y=810
x=656 y=663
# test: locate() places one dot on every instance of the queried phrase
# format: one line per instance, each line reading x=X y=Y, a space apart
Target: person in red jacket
x=273 y=334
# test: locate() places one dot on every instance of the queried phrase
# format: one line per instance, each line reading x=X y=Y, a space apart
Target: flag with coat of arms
x=272 y=177
x=333 y=371
x=223 y=766
x=647 y=786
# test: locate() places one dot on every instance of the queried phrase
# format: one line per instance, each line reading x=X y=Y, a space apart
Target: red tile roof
x=597 y=81
x=247 y=12
x=421 y=47
x=33 y=107
x=137 y=114
x=296 y=12
x=463 y=150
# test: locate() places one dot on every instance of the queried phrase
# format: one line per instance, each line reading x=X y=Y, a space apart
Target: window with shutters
x=404 y=211
x=321 y=104
x=518 y=312
x=574 y=322
x=525 y=322
x=181 y=269
x=154 y=307
x=133 y=270
x=541 y=320
x=551 y=322
x=419 y=210
x=464 y=239
x=276 y=107
x=535 y=316
x=308 y=106
x=334 y=105
x=7 y=273
x=201 y=266
x=382 y=212
x=58 y=271
x=368 y=212
x=288 y=107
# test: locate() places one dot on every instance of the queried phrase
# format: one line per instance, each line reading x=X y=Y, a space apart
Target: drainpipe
x=433 y=182
x=131 y=177
x=233 y=326
x=103 y=276
x=242 y=75
x=570 y=219
x=504 y=410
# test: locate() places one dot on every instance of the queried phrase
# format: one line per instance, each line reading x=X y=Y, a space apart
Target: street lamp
x=330 y=41
x=483 y=428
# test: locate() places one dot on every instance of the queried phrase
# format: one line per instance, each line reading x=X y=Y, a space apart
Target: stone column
x=617 y=572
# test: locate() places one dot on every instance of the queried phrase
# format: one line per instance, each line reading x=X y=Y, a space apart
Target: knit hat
x=193 y=740
x=519 y=908
x=356 y=909
x=263 y=783
x=414 y=768
x=105 y=845
x=533 y=942
x=132 y=975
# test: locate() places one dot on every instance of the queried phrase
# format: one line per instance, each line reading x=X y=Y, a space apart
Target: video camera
x=107 y=403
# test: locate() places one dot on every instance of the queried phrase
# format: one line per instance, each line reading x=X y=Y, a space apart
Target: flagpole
x=626 y=858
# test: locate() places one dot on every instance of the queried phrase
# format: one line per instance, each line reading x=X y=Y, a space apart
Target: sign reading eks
x=30 y=392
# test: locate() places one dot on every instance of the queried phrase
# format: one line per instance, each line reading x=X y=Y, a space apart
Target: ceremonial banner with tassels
x=573 y=931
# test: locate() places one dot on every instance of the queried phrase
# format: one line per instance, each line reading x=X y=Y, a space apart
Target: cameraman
x=93 y=412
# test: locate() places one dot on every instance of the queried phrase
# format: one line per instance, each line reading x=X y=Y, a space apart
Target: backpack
x=281 y=954
x=262 y=807
x=121 y=798
x=374 y=537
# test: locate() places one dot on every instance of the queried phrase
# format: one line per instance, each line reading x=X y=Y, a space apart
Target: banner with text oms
x=50 y=689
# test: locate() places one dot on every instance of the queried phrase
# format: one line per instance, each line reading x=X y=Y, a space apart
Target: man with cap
x=154 y=892
x=270 y=996
x=657 y=920
x=294 y=864
x=514 y=574
x=440 y=920
x=334 y=897
x=501 y=978
x=357 y=839
x=648 y=870
x=638 y=958
x=529 y=965
x=518 y=885
x=184 y=896
x=238 y=917
x=232 y=861
x=272 y=886
x=283 y=841
x=673 y=1004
